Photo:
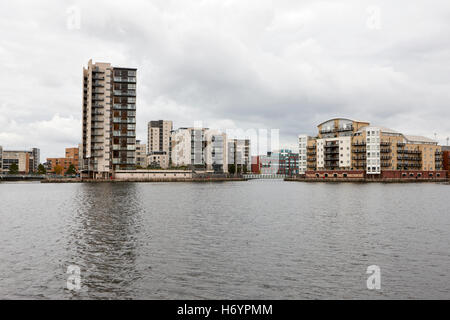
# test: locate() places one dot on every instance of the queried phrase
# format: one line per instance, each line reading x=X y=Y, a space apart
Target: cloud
x=246 y=64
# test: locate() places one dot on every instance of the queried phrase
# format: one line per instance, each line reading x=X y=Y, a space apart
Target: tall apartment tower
x=159 y=133
x=109 y=120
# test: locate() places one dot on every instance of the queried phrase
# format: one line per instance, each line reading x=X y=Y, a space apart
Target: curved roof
x=382 y=129
x=332 y=119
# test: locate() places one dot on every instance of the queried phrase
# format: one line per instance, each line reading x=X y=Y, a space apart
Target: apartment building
x=71 y=158
x=446 y=159
x=159 y=143
x=158 y=160
x=199 y=149
x=26 y=160
x=355 y=146
x=141 y=155
x=288 y=162
x=1 y=159
x=239 y=154
x=109 y=120
x=269 y=163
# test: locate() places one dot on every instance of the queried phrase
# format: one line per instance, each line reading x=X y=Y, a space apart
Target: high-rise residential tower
x=109 y=120
x=159 y=146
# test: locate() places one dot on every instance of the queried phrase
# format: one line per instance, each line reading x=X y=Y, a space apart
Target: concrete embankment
x=363 y=180
x=142 y=180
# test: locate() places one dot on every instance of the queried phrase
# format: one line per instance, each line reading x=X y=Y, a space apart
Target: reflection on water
x=103 y=241
x=256 y=239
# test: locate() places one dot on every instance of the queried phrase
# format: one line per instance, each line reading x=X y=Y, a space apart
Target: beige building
x=200 y=149
x=141 y=155
x=344 y=144
x=109 y=120
x=26 y=160
x=159 y=143
x=239 y=153
x=158 y=159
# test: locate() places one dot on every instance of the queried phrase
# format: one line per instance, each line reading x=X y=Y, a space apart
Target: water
x=234 y=240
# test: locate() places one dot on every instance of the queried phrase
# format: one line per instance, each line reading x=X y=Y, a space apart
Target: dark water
x=236 y=240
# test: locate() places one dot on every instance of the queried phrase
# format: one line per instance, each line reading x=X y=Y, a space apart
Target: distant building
x=72 y=158
x=270 y=163
x=446 y=159
x=109 y=120
x=26 y=160
x=239 y=154
x=158 y=159
x=159 y=143
x=1 y=159
x=256 y=165
x=344 y=146
x=199 y=149
x=141 y=155
x=288 y=162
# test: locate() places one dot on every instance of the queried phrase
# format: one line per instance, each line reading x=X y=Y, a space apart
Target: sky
x=261 y=64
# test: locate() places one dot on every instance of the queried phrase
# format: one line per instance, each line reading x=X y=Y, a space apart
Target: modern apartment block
x=26 y=160
x=159 y=143
x=346 y=147
x=288 y=162
x=270 y=163
x=141 y=155
x=199 y=149
x=1 y=159
x=109 y=120
x=71 y=158
x=239 y=154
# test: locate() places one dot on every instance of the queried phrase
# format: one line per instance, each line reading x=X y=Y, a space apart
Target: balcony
x=126 y=93
x=124 y=134
x=313 y=147
x=359 y=150
x=311 y=153
x=129 y=120
x=385 y=150
x=358 y=144
x=385 y=143
x=97 y=98
x=124 y=79
x=124 y=106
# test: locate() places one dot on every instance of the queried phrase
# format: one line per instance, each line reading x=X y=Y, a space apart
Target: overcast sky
x=231 y=64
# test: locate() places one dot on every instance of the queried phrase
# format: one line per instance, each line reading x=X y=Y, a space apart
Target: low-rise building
x=158 y=159
x=27 y=161
x=72 y=158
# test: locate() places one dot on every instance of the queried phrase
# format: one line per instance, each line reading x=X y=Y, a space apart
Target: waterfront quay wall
x=397 y=176
x=153 y=176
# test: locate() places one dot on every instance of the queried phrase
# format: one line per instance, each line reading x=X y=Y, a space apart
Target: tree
x=41 y=169
x=58 y=169
x=71 y=170
x=14 y=169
